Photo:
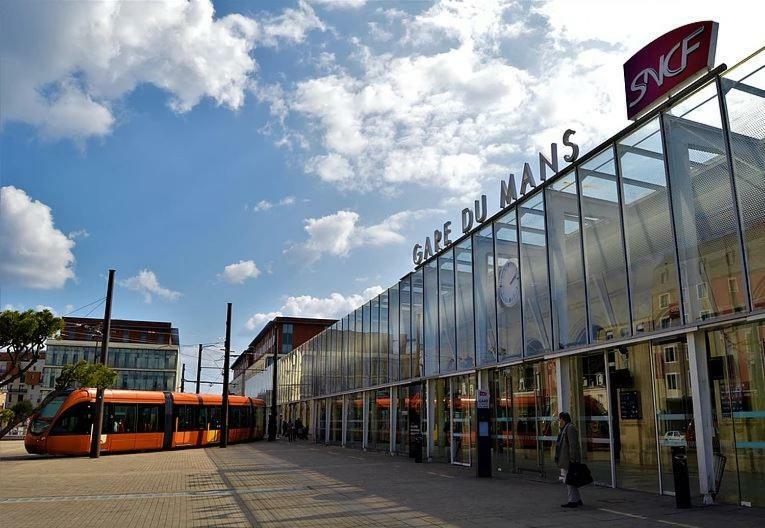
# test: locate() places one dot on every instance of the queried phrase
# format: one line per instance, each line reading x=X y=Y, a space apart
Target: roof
x=280 y=321
x=89 y=329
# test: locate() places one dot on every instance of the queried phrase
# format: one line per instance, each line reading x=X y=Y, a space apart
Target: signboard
x=629 y=405
x=668 y=62
x=482 y=401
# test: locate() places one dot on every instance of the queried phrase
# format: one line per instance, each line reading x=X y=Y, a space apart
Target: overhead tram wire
x=84 y=306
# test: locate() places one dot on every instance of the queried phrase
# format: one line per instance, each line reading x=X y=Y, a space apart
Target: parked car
x=673 y=438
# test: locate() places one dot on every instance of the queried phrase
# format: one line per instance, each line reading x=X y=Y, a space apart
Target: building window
x=733 y=285
x=664 y=276
x=671 y=381
x=664 y=300
x=701 y=290
x=670 y=355
x=665 y=322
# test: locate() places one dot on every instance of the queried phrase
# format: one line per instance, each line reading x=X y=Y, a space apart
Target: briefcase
x=578 y=475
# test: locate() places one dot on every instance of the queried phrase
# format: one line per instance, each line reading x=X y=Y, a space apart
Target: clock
x=509 y=283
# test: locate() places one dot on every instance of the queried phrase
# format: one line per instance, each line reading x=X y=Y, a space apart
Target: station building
x=628 y=289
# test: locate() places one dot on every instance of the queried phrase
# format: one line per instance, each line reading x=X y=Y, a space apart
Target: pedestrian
x=567 y=451
x=290 y=431
x=299 y=428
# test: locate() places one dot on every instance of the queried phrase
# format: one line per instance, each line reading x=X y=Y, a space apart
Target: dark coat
x=570 y=451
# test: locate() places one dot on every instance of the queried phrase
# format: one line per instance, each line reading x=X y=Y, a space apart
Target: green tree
x=22 y=340
x=85 y=374
x=22 y=408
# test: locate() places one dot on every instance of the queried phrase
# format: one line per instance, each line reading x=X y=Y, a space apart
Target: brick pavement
x=302 y=485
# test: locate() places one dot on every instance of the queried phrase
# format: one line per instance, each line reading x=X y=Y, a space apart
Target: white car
x=673 y=438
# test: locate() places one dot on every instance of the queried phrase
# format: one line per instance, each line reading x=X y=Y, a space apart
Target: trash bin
x=681 y=478
x=418 y=448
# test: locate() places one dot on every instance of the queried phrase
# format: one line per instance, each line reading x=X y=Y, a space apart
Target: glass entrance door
x=442 y=421
x=674 y=409
x=737 y=374
x=463 y=418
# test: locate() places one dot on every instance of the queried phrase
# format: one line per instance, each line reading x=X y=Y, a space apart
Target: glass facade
x=628 y=290
x=137 y=368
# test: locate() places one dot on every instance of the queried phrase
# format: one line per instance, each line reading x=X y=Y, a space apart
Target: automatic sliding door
x=463 y=416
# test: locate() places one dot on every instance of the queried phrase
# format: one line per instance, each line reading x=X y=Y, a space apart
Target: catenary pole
x=227 y=355
x=95 y=437
x=183 y=378
x=199 y=367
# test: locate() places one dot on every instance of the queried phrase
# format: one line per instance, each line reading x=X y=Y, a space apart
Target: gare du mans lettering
x=508 y=195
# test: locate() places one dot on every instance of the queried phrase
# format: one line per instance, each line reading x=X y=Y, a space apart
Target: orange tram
x=141 y=421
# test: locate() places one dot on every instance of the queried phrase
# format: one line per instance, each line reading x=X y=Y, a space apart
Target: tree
x=86 y=374
x=22 y=340
x=82 y=374
x=22 y=408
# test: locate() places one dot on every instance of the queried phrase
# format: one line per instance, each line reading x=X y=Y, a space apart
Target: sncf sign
x=668 y=62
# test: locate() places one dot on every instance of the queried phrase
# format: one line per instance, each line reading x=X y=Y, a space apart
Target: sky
x=285 y=156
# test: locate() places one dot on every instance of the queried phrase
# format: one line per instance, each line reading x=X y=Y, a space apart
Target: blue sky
x=283 y=156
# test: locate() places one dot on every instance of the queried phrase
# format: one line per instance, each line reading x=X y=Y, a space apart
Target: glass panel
x=485 y=305
x=674 y=409
x=589 y=412
x=442 y=424
x=737 y=374
x=463 y=256
x=463 y=419
x=430 y=332
x=348 y=345
x=525 y=409
x=447 y=326
x=402 y=420
x=569 y=314
x=502 y=439
x=384 y=338
x=417 y=322
x=374 y=347
x=405 y=341
x=321 y=421
x=534 y=279
x=379 y=420
x=359 y=350
x=548 y=417
x=366 y=342
x=508 y=288
x=354 y=427
x=654 y=287
x=394 y=331
x=603 y=249
x=336 y=420
x=745 y=101
x=702 y=202
x=633 y=420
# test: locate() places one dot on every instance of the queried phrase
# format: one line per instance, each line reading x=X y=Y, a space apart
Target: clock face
x=509 y=284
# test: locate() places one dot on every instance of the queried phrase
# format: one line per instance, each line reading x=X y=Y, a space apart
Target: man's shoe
x=569 y=505
x=580 y=503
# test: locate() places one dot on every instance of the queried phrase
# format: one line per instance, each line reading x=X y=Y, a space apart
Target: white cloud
x=33 y=253
x=65 y=66
x=240 y=271
x=146 y=282
x=338 y=233
x=332 y=307
x=79 y=233
x=339 y=4
x=265 y=205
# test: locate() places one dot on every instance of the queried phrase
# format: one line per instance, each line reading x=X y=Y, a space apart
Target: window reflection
x=569 y=314
x=702 y=201
x=603 y=249
x=430 y=333
x=508 y=278
x=651 y=256
x=485 y=305
x=463 y=257
x=447 y=346
x=417 y=322
x=405 y=341
x=534 y=278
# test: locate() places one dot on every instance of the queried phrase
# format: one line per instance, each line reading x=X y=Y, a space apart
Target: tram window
x=233 y=417
x=149 y=419
x=184 y=415
x=76 y=420
x=121 y=418
x=214 y=413
x=202 y=417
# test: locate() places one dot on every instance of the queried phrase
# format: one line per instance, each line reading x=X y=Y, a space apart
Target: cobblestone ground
x=296 y=485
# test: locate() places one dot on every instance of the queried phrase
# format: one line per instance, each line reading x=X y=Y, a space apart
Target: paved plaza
x=300 y=484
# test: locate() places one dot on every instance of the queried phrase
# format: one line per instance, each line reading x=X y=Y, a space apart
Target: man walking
x=567 y=451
